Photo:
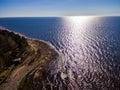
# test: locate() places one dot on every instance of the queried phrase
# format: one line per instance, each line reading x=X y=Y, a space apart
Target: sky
x=43 y=8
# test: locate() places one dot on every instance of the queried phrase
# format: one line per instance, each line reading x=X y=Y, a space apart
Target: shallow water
x=90 y=46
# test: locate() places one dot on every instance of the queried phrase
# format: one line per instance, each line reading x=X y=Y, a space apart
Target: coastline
x=38 y=55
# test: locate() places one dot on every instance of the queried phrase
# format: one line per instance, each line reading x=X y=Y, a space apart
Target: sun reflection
x=76 y=25
x=75 y=38
x=79 y=19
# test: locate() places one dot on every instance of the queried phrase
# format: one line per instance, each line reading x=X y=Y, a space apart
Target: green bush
x=5 y=47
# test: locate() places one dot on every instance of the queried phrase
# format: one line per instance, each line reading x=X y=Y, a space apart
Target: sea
x=90 y=46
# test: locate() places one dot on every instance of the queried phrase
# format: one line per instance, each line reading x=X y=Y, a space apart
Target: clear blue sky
x=31 y=8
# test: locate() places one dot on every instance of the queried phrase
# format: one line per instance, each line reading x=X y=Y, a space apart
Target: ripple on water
x=91 y=49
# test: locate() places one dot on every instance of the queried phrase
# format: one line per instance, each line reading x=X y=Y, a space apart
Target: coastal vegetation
x=11 y=47
x=19 y=56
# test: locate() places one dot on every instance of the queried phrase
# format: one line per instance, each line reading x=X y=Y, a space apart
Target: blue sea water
x=90 y=45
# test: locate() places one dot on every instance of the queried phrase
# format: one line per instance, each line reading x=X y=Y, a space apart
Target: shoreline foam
x=41 y=55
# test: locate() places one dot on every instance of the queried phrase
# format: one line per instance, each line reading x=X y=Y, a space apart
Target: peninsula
x=19 y=56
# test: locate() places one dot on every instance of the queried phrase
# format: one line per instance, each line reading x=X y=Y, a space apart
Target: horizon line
x=60 y=16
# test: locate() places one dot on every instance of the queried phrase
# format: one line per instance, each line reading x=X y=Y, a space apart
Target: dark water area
x=90 y=46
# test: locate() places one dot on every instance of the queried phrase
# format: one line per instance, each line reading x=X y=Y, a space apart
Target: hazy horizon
x=60 y=16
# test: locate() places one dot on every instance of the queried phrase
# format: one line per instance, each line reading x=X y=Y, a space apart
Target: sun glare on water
x=76 y=25
x=75 y=35
x=79 y=19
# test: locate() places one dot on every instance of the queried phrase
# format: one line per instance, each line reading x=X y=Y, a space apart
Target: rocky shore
x=21 y=57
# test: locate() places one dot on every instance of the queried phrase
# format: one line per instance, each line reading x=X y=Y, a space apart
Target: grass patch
x=5 y=73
